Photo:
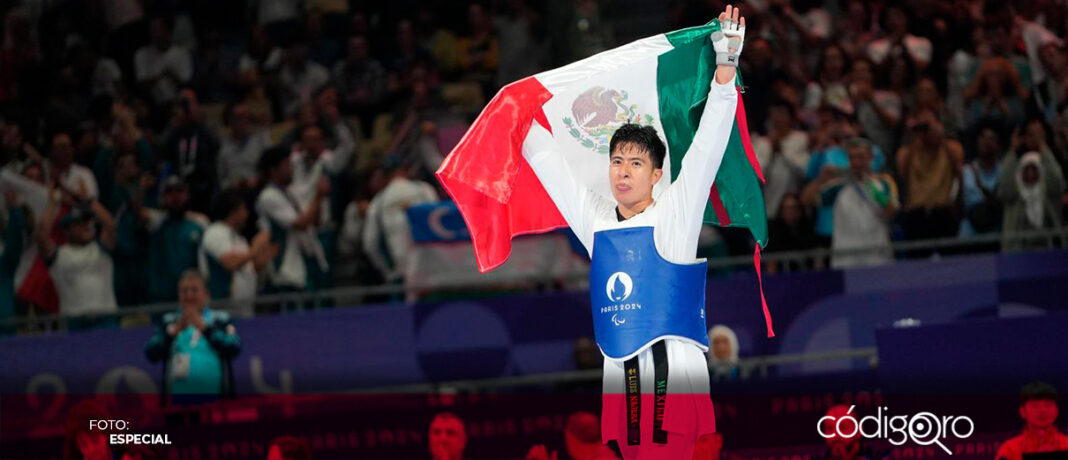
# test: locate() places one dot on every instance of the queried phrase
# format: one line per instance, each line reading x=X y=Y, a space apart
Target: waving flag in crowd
x=661 y=81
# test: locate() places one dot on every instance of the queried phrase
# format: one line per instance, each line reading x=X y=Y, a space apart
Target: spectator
x=261 y=53
x=361 y=81
x=82 y=267
x=387 y=235
x=1038 y=409
x=447 y=437
x=1030 y=187
x=278 y=17
x=723 y=356
x=10 y=255
x=926 y=97
x=161 y=66
x=929 y=170
x=241 y=149
x=834 y=160
x=581 y=440
x=982 y=209
x=322 y=49
x=878 y=111
x=226 y=258
x=995 y=97
x=197 y=346
x=292 y=226
x=783 y=155
x=829 y=87
x=288 y=448
x=76 y=178
x=174 y=239
x=300 y=78
x=131 y=188
x=586 y=354
x=793 y=230
x=1051 y=94
x=191 y=151
x=862 y=203
x=898 y=40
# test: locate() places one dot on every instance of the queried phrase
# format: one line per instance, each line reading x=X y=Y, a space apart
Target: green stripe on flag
x=683 y=77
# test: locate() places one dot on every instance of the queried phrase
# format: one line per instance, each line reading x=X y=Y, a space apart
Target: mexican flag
x=661 y=81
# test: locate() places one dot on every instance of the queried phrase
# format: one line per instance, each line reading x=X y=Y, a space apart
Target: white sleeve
x=217 y=242
x=183 y=65
x=155 y=218
x=371 y=234
x=687 y=197
x=576 y=203
x=346 y=144
x=274 y=206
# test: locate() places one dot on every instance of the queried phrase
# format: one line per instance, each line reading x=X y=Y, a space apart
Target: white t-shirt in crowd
x=150 y=63
x=83 y=279
x=219 y=239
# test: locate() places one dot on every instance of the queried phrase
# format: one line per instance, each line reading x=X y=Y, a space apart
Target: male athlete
x=646 y=285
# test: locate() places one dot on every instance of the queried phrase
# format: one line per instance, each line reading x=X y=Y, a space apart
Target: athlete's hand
x=729 y=39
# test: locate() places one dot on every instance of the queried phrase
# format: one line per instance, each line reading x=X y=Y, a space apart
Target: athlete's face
x=632 y=174
x=448 y=438
x=1039 y=413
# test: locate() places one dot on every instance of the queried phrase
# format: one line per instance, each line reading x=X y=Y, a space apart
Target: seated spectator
x=863 y=205
x=387 y=233
x=929 y=171
x=228 y=260
x=361 y=80
x=783 y=155
x=174 y=239
x=898 y=39
x=447 y=437
x=288 y=448
x=196 y=345
x=1030 y=187
x=1038 y=409
x=191 y=151
x=581 y=440
x=982 y=208
x=161 y=66
x=792 y=230
x=300 y=77
x=292 y=226
x=723 y=354
x=241 y=149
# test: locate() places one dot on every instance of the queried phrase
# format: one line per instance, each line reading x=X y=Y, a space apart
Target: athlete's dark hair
x=642 y=136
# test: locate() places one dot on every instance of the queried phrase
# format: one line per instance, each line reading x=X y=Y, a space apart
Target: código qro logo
x=923 y=428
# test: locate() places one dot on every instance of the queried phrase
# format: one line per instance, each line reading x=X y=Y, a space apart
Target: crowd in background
x=275 y=144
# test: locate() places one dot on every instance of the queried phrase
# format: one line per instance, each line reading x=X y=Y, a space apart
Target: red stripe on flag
x=486 y=171
x=717 y=206
x=763 y=301
x=542 y=119
x=743 y=129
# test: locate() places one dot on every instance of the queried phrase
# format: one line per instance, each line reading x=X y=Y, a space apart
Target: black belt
x=632 y=382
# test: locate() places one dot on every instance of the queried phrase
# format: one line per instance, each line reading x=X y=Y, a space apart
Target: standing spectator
x=63 y=170
x=14 y=239
x=81 y=268
x=926 y=97
x=994 y=98
x=261 y=53
x=128 y=199
x=1038 y=409
x=191 y=151
x=161 y=66
x=1030 y=187
x=197 y=346
x=173 y=242
x=863 y=204
x=447 y=437
x=833 y=160
x=300 y=77
x=361 y=81
x=877 y=110
x=898 y=39
x=387 y=232
x=292 y=226
x=791 y=230
x=929 y=170
x=982 y=209
x=241 y=149
x=829 y=87
x=783 y=155
x=479 y=48
x=322 y=48
x=226 y=258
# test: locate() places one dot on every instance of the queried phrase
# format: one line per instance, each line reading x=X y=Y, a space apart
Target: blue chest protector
x=637 y=296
